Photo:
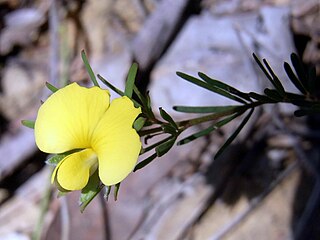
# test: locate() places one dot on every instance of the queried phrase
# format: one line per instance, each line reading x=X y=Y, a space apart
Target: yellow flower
x=76 y=117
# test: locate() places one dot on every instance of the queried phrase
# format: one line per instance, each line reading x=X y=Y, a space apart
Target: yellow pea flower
x=76 y=117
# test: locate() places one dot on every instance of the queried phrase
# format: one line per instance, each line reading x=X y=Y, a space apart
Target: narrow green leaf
x=142 y=99
x=310 y=109
x=296 y=82
x=148 y=123
x=275 y=80
x=145 y=103
x=313 y=84
x=116 y=90
x=209 y=109
x=149 y=102
x=165 y=147
x=130 y=80
x=88 y=68
x=312 y=73
x=150 y=136
x=224 y=86
x=272 y=78
x=139 y=123
x=260 y=98
x=209 y=129
x=209 y=87
x=51 y=87
x=116 y=191
x=168 y=128
x=234 y=135
x=90 y=191
x=302 y=103
x=28 y=123
x=305 y=112
x=109 y=85
x=294 y=96
x=263 y=68
x=107 y=194
x=273 y=94
x=298 y=67
x=148 y=108
x=147 y=149
x=196 y=135
x=145 y=162
x=167 y=117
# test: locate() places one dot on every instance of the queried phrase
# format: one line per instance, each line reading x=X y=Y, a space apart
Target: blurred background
x=265 y=186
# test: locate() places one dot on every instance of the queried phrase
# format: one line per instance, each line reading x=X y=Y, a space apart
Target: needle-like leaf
x=145 y=162
x=209 y=87
x=234 y=135
x=116 y=191
x=224 y=86
x=130 y=80
x=88 y=68
x=51 y=87
x=139 y=123
x=109 y=85
x=28 y=123
x=163 y=148
x=260 y=98
x=209 y=129
x=298 y=67
x=273 y=94
x=168 y=118
x=209 y=109
x=297 y=83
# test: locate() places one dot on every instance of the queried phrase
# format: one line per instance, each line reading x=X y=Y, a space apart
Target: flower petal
x=116 y=143
x=74 y=171
x=68 y=117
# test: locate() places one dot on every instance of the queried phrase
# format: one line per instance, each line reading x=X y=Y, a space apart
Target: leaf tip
x=179 y=73
x=52 y=88
x=28 y=123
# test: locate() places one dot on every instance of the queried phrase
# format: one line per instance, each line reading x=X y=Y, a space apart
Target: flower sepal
x=115 y=192
x=61 y=191
x=28 y=123
x=90 y=191
x=53 y=160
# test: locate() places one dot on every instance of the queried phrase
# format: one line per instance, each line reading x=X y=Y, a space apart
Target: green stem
x=183 y=125
x=150 y=131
